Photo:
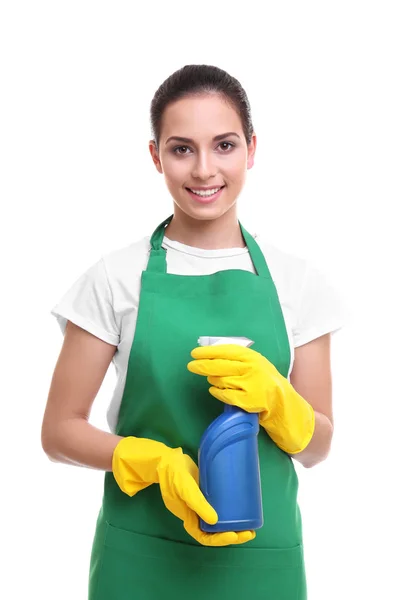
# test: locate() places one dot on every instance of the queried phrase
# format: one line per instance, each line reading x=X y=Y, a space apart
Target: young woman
x=144 y=307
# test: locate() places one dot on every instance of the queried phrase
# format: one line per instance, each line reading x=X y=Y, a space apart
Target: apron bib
x=141 y=551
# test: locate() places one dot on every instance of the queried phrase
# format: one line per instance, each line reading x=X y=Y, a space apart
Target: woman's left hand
x=245 y=378
x=239 y=376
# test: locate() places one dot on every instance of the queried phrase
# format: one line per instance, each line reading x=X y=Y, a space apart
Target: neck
x=212 y=234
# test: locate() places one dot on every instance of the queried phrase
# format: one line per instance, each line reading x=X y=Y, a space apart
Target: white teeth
x=205 y=193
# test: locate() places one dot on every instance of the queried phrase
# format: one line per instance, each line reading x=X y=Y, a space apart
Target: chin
x=205 y=213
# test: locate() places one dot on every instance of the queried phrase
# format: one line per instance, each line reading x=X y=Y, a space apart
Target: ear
x=154 y=155
x=251 y=151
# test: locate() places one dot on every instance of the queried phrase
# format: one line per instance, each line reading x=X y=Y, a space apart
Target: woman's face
x=203 y=149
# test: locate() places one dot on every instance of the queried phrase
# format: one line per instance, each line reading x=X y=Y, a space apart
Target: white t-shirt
x=105 y=298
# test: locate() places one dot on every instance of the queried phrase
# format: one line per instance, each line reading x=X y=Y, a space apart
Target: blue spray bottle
x=229 y=470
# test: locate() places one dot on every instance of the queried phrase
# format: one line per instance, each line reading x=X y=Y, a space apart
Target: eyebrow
x=217 y=138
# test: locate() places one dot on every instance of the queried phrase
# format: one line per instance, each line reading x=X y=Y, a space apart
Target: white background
x=77 y=181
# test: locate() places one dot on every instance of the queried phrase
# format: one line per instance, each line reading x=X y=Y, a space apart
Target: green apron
x=141 y=551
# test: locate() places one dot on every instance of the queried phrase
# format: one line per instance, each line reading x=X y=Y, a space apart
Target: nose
x=204 y=167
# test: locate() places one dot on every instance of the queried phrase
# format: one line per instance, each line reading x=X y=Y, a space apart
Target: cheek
x=237 y=169
x=174 y=171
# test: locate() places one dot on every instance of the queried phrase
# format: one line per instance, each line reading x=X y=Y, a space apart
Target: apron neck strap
x=256 y=254
x=158 y=256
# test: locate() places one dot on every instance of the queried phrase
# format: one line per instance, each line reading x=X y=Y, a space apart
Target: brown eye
x=227 y=144
x=176 y=150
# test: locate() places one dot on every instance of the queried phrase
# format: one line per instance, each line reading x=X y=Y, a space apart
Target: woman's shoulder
x=128 y=260
x=307 y=290
x=287 y=268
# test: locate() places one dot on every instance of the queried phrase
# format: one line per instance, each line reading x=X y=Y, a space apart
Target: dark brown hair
x=200 y=79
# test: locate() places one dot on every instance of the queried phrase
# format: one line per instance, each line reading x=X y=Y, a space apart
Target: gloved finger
x=245 y=536
x=226 y=351
x=176 y=506
x=226 y=383
x=180 y=507
x=192 y=526
x=239 y=398
x=219 y=366
x=189 y=491
x=233 y=397
x=191 y=467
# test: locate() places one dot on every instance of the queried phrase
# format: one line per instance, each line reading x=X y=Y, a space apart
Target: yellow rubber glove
x=244 y=378
x=139 y=462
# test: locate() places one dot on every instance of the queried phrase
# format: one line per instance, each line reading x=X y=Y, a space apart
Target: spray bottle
x=228 y=459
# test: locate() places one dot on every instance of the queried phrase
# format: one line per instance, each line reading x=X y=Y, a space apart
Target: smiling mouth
x=206 y=193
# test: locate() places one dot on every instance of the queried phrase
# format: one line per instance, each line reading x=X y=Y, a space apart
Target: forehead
x=200 y=117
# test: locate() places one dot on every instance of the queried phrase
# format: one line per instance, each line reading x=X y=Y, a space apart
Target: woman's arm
x=67 y=436
x=311 y=378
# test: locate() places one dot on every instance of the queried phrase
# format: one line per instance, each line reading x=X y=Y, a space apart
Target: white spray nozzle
x=206 y=340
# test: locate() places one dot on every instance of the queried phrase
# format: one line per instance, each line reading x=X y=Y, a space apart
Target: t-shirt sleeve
x=88 y=304
x=320 y=309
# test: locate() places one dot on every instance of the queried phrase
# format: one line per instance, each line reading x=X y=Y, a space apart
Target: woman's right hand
x=179 y=484
x=139 y=462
